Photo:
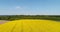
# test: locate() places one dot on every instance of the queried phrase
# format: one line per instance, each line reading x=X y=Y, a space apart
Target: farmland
x=29 y=25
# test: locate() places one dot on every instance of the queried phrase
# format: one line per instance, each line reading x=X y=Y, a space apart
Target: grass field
x=30 y=26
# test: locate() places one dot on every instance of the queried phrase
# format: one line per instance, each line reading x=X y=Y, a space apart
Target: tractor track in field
x=13 y=27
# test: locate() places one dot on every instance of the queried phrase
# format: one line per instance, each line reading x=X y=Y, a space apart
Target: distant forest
x=17 y=17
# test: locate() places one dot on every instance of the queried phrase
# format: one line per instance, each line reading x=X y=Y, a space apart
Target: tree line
x=17 y=17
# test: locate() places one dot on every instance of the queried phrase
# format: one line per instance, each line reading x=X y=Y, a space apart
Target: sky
x=29 y=7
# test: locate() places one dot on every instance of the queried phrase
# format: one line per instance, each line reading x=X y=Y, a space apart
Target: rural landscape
x=30 y=23
x=29 y=15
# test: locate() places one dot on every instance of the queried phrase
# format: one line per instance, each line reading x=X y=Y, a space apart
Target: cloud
x=18 y=7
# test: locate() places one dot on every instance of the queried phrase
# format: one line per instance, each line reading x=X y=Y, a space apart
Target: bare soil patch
x=3 y=21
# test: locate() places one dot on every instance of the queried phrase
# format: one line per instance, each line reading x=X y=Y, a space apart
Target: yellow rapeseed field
x=30 y=26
